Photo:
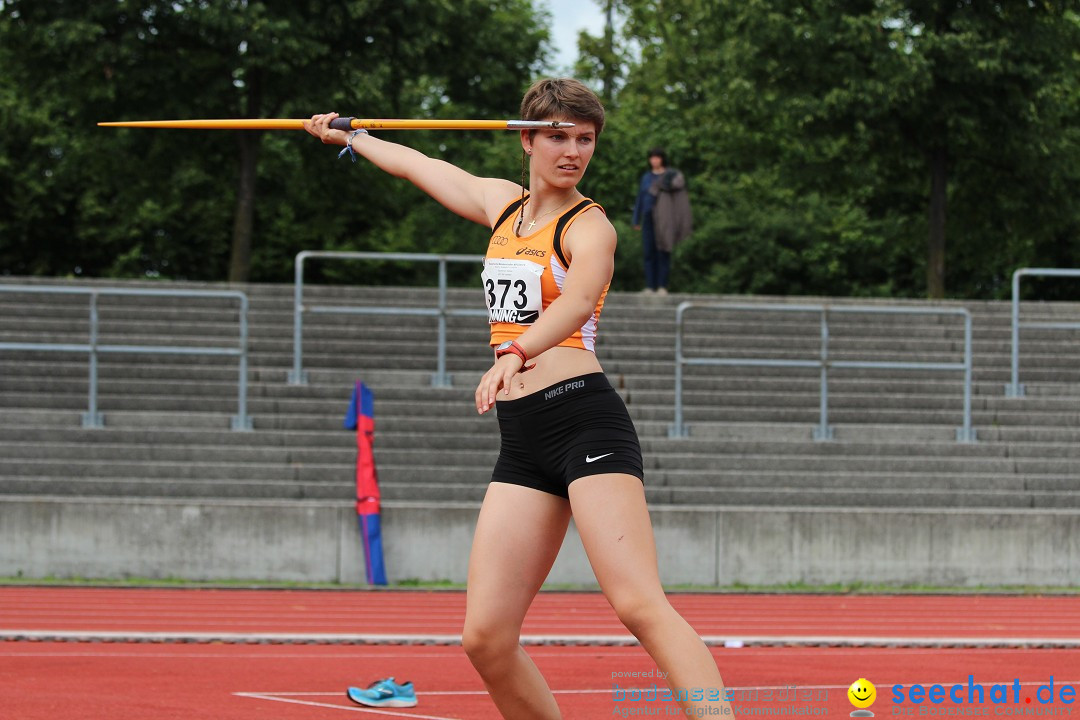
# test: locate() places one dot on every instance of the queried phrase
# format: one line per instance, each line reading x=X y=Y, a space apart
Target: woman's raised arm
x=473 y=198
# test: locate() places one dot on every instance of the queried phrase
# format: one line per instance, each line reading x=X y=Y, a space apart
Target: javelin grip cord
x=341 y=123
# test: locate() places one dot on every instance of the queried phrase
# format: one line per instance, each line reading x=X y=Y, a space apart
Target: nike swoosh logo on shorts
x=590 y=458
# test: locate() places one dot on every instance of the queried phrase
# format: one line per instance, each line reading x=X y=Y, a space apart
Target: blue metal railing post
x=440 y=379
x=677 y=429
x=241 y=421
x=967 y=433
x=297 y=376
x=823 y=432
x=92 y=418
x=1014 y=388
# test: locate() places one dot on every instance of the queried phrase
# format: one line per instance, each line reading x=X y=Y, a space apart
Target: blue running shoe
x=384 y=693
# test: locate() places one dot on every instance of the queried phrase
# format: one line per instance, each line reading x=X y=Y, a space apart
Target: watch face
x=506 y=345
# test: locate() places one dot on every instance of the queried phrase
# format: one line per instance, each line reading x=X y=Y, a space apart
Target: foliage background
x=898 y=148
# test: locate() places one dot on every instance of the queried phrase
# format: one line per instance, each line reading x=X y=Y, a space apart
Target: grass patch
x=879 y=589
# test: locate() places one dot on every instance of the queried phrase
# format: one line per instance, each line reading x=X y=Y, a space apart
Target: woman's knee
x=641 y=612
x=487 y=644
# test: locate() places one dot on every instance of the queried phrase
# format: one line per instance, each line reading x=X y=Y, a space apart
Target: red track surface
x=136 y=681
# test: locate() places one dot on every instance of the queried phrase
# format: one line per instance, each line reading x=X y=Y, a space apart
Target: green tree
x=825 y=140
x=188 y=204
x=988 y=120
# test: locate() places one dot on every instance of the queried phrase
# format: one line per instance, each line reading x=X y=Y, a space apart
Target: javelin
x=343 y=124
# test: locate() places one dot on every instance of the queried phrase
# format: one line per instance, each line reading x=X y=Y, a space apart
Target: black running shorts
x=575 y=428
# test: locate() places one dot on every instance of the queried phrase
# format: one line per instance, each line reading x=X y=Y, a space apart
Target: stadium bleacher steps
x=167 y=418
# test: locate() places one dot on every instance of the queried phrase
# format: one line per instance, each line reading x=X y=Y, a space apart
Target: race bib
x=512 y=289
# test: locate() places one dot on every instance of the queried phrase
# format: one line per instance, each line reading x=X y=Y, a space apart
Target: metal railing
x=1015 y=388
x=92 y=418
x=297 y=376
x=822 y=431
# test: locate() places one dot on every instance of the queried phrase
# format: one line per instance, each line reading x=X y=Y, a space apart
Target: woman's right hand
x=497 y=377
x=319 y=126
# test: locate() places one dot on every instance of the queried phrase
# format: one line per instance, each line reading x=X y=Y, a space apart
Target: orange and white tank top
x=523 y=275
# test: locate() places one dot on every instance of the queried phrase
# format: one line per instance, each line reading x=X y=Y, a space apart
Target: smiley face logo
x=862 y=694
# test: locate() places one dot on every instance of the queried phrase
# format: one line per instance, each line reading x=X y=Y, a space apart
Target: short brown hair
x=562 y=98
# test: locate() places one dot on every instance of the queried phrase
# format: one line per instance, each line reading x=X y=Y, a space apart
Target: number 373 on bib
x=512 y=289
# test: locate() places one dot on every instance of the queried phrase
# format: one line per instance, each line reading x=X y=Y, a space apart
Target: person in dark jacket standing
x=662 y=213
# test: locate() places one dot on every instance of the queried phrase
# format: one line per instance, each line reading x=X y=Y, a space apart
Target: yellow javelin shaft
x=355 y=123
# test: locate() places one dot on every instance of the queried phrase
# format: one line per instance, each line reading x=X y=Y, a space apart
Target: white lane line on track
x=553 y=639
x=601 y=691
x=352 y=708
x=291 y=697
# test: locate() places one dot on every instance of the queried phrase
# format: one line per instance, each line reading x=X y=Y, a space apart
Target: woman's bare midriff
x=552 y=366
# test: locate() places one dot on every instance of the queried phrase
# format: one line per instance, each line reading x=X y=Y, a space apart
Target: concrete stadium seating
x=750 y=447
x=167 y=434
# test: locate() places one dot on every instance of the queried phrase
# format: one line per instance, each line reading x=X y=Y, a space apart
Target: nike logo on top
x=590 y=458
x=521 y=317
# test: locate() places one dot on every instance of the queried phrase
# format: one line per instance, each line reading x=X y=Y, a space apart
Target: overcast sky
x=568 y=18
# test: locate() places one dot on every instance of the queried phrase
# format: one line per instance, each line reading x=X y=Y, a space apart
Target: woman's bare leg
x=612 y=518
x=518 y=536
